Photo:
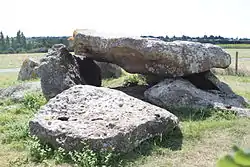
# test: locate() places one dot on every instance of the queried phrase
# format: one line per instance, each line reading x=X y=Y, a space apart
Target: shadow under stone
x=134 y=91
x=200 y=81
x=89 y=71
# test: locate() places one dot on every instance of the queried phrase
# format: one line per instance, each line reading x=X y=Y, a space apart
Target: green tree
x=2 y=42
x=23 y=40
x=13 y=43
x=7 y=42
x=18 y=36
x=18 y=39
x=29 y=45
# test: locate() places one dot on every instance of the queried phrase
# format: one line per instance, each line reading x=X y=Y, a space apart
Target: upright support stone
x=60 y=70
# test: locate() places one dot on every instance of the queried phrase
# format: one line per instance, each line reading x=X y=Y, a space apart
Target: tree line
x=21 y=44
x=205 y=39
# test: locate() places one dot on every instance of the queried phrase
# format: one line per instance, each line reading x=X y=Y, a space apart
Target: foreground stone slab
x=182 y=93
x=101 y=117
x=150 y=56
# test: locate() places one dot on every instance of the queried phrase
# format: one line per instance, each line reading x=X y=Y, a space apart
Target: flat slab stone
x=150 y=56
x=101 y=117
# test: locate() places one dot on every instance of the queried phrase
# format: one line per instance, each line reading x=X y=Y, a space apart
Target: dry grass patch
x=243 y=68
x=242 y=52
x=240 y=85
x=7 y=154
x=15 y=60
x=7 y=79
x=205 y=151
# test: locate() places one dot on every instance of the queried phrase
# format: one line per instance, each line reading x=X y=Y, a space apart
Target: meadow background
x=205 y=136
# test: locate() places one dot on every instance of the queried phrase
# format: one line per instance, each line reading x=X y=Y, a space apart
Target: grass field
x=7 y=79
x=15 y=60
x=243 y=53
x=203 y=139
x=243 y=68
x=238 y=46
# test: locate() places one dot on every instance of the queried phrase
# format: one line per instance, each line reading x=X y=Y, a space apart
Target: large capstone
x=60 y=70
x=101 y=117
x=150 y=56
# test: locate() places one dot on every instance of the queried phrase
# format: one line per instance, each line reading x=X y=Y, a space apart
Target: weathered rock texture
x=109 y=70
x=17 y=92
x=150 y=56
x=101 y=117
x=199 y=91
x=60 y=70
x=28 y=70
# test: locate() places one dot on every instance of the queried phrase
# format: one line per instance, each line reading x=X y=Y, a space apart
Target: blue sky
x=229 y=18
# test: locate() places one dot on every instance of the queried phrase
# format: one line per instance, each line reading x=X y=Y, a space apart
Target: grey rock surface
x=223 y=87
x=101 y=117
x=150 y=56
x=109 y=70
x=182 y=93
x=17 y=92
x=28 y=70
x=58 y=71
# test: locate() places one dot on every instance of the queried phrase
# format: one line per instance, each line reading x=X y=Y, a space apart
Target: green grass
x=14 y=132
x=196 y=138
x=113 y=82
x=15 y=60
x=125 y=80
x=202 y=138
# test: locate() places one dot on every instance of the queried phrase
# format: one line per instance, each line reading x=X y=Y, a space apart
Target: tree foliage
x=205 y=39
x=20 y=43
